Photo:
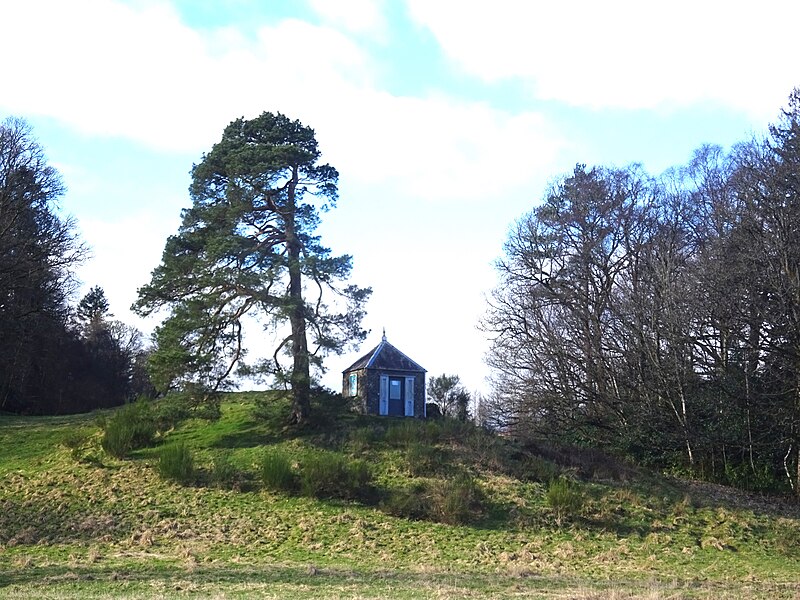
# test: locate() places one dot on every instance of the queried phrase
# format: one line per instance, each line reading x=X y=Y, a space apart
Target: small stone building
x=386 y=382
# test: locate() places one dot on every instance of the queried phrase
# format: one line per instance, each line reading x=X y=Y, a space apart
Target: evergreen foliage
x=247 y=247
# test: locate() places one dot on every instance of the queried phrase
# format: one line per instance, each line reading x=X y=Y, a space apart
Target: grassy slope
x=103 y=527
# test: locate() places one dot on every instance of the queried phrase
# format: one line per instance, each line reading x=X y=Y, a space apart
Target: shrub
x=132 y=427
x=564 y=498
x=276 y=472
x=169 y=412
x=455 y=429
x=404 y=432
x=327 y=475
x=75 y=440
x=176 y=462
x=457 y=501
x=536 y=468
x=787 y=537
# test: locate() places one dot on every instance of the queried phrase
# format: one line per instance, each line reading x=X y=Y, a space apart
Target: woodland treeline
x=659 y=317
x=54 y=357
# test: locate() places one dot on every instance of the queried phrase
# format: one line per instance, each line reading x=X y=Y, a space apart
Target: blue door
x=396 y=396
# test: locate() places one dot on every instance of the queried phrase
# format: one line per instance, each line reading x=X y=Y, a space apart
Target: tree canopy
x=48 y=365
x=247 y=246
x=660 y=316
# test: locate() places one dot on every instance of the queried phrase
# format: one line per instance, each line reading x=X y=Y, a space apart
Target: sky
x=446 y=120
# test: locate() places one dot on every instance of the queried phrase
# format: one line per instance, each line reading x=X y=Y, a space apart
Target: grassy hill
x=444 y=510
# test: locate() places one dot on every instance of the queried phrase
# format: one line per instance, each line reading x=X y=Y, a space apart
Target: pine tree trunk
x=300 y=378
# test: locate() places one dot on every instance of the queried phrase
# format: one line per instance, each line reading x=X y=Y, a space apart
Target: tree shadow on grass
x=248 y=437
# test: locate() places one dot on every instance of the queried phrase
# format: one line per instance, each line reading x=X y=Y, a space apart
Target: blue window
x=353 y=384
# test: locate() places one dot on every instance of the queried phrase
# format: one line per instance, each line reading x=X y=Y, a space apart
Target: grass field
x=77 y=523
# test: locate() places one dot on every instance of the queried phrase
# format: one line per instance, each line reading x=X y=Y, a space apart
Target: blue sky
x=445 y=119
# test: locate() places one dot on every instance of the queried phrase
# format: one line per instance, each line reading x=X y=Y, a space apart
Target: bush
x=176 y=463
x=277 y=473
x=75 y=440
x=327 y=475
x=787 y=537
x=457 y=501
x=565 y=499
x=169 y=412
x=132 y=427
x=454 y=502
x=536 y=468
x=404 y=432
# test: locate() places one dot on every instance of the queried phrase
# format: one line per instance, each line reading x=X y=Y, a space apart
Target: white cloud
x=138 y=72
x=439 y=148
x=356 y=16
x=135 y=71
x=626 y=53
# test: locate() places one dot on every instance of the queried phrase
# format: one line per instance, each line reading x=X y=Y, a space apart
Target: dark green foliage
x=47 y=364
x=330 y=475
x=589 y=463
x=170 y=411
x=454 y=501
x=787 y=537
x=565 y=499
x=176 y=463
x=277 y=473
x=93 y=309
x=76 y=440
x=536 y=468
x=450 y=396
x=132 y=427
x=247 y=246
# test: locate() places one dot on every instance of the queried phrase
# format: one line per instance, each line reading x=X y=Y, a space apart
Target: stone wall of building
x=369 y=390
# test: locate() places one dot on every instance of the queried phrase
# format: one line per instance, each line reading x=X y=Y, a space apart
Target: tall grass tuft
x=276 y=471
x=457 y=501
x=176 y=463
x=408 y=431
x=131 y=428
x=536 y=468
x=565 y=499
x=328 y=475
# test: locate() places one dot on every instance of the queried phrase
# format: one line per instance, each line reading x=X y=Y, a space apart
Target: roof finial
x=384 y=334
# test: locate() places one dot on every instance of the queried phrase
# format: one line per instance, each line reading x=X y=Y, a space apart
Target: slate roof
x=387 y=357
